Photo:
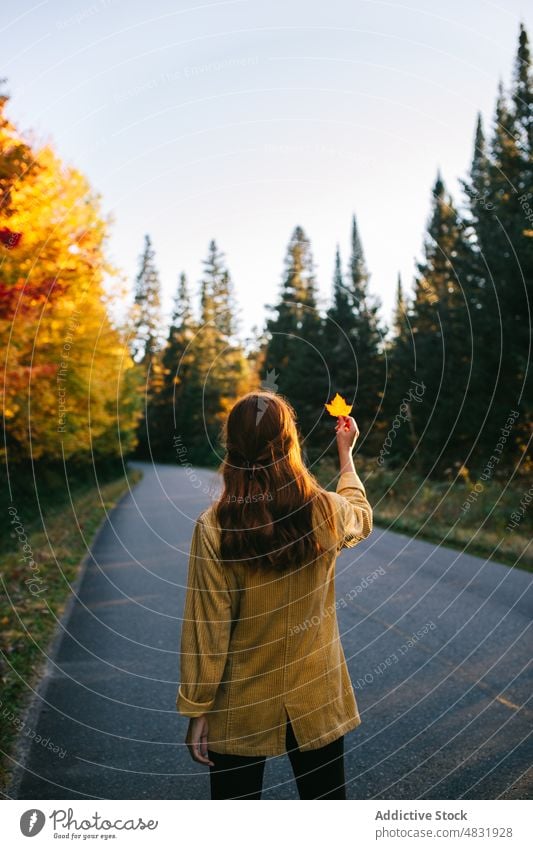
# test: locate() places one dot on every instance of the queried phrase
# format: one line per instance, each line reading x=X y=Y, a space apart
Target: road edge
x=31 y=714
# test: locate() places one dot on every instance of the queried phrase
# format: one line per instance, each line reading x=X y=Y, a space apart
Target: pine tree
x=169 y=416
x=477 y=187
x=522 y=128
x=400 y=322
x=294 y=347
x=341 y=303
x=510 y=251
x=401 y=393
x=147 y=307
x=522 y=99
x=482 y=231
x=215 y=370
x=182 y=313
x=506 y=250
x=401 y=349
x=499 y=192
x=442 y=340
x=217 y=298
x=146 y=343
x=355 y=344
x=298 y=288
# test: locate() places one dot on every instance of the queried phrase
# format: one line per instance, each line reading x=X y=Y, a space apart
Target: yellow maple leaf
x=338 y=407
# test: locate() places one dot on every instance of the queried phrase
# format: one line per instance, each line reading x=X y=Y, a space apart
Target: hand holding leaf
x=345 y=424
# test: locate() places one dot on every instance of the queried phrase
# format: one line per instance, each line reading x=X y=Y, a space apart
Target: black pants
x=319 y=773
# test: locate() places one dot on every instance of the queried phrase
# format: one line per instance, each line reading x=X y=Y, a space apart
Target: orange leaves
x=338 y=407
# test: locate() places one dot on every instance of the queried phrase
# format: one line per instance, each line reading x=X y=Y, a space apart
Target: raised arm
x=355 y=512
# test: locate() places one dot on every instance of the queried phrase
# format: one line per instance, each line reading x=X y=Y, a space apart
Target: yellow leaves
x=55 y=314
x=338 y=407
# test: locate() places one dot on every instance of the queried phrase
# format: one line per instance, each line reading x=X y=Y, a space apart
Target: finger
x=190 y=748
x=198 y=756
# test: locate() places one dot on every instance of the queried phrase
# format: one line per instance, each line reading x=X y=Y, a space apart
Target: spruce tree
x=147 y=307
x=146 y=343
x=295 y=342
x=504 y=249
x=483 y=231
x=217 y=368
x=217 y=298
x=442 y=336
x=182 y=315
x=341 y=302
x=522 y=100
x=355 y=344
x=400 y=308
x=522 y=113
x=169 y=407
x=401 y=393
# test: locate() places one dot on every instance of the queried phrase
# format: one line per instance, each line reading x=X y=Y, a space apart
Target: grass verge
x=472 y=516
x=36 y=575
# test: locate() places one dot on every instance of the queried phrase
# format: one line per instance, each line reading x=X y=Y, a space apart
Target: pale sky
x=239 y=119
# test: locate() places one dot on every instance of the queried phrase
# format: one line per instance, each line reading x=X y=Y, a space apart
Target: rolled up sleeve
x=206 y=628
x=355 y=513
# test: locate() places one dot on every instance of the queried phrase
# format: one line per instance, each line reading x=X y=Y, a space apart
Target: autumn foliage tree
x=69 y=390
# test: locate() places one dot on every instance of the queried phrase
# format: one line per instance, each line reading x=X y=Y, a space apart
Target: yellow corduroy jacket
x=256 y=647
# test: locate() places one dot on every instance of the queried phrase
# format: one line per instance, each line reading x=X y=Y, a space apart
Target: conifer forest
x=431 y=392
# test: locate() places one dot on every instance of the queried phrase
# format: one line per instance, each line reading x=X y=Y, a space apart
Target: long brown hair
x=265 y=510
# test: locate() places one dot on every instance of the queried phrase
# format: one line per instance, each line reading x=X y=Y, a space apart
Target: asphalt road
x=438 y=645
